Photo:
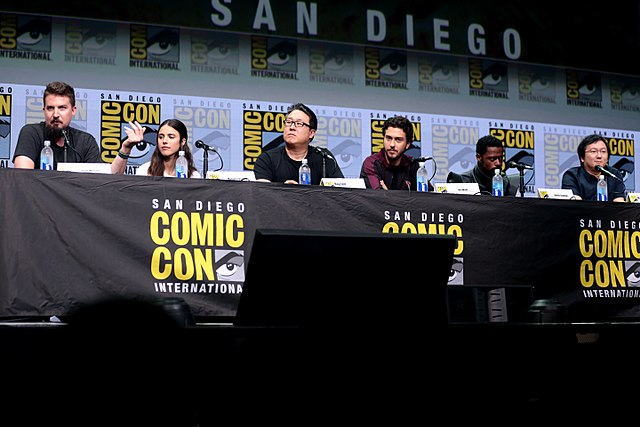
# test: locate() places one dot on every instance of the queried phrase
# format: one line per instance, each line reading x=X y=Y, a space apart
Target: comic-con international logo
x=6 y=94
x=90 y=42
x=273 y=57
x=584 y=88
x=25 y=37
x=536 y=84
x=116 y=111
x=488 y=79
x=440 y=74
x=625 y=93
x=385 y=68
x=154 y=47
x=215 y=52
x=331 y=64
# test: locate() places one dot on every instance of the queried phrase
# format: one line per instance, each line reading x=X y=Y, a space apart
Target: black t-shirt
x=83 y=147
x=276 y=166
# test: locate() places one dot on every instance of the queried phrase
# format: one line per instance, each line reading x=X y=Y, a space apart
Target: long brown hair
x=156 y=168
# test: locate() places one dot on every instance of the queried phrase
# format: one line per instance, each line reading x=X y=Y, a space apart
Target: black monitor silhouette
x=328 y=278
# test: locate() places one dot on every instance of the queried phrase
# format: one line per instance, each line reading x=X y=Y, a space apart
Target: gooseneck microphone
x=606 y=172
x=67 y=144
x=205 y=158
x=421 y=159
x=202 y=145
x=518 y=165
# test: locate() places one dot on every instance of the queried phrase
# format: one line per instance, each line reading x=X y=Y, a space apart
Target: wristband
x=122 y=155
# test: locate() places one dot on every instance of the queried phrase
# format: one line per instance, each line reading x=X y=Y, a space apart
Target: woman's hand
x=135 y=134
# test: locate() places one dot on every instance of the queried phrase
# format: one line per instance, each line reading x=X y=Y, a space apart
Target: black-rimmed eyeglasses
x=291 y=123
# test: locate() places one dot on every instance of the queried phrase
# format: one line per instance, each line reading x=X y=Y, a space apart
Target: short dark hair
x=588 y=140
x=313 y=119
x=60 y=89
x=486 y=142
x=401 y=123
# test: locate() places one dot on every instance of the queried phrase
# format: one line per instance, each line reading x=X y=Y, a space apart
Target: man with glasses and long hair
x=593 y=152
x=281 y=163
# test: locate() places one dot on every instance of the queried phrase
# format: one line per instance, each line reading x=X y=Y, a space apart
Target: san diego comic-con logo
x=199 y=248
x=115 y=114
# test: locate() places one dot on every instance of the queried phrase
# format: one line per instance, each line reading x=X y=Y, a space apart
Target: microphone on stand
x=517 y=165
x=205 y=158
x=202 y=145
x=420 y=159
x=606 y=172
x=66 y=143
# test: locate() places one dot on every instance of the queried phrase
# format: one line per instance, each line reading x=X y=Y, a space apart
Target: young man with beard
x=390 y=168
x=68 y=144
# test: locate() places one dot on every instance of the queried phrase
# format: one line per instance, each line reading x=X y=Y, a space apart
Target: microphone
x=323 y=152
x=67 y=143
x=518 y=165
x=200 y=144
x=420 y=159
x=606 y=172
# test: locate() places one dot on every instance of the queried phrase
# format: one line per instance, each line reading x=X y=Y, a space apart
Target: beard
x=52 y=133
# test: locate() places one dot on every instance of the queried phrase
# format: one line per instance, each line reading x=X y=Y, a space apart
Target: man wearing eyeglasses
x=593 y=152
x=281 y=163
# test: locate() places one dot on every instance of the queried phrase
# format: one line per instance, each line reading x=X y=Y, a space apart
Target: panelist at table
x=172 y=138
x=69 y=144
x=489 y=156
x=593 y=152
x=281 y=163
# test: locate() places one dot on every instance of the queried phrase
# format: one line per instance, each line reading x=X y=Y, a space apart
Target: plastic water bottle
x=304 y=173
x=46 y=157
x=182 y=166
x=497 y=185
x=602 y=189
x=422 y=178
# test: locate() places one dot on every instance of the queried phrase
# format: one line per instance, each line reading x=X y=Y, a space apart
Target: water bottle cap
x=304 y=161
x=496 y=171
x=421 y=164
x=181 y=153
x=47 y=143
